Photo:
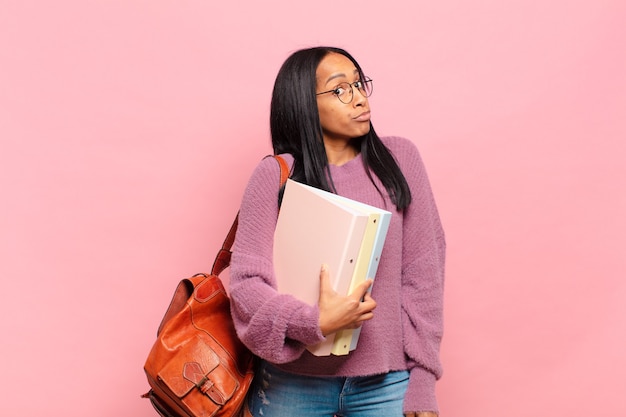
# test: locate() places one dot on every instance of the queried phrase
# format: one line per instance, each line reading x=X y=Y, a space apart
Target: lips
x=363 y=117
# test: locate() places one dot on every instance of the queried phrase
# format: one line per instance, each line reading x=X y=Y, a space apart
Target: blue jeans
x=275 y=393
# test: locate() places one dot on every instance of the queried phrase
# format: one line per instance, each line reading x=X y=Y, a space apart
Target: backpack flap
x=199 y=367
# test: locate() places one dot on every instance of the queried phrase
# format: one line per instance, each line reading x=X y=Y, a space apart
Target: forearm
x=274 y=326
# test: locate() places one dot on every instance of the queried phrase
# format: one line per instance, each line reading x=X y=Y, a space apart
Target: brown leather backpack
x=198 y=367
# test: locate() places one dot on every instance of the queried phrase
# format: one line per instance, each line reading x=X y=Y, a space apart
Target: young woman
x=320 y=123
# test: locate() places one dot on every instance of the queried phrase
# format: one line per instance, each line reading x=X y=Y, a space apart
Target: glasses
x=345 y=91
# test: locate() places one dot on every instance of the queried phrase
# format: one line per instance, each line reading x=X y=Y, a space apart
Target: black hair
x=296 y=129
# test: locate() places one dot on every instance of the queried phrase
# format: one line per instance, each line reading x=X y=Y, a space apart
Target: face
x=340 y=122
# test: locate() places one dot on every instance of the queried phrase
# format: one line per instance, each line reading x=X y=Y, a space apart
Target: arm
x=423 y=258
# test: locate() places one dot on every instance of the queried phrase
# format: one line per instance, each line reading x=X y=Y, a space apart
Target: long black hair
x=296 y=129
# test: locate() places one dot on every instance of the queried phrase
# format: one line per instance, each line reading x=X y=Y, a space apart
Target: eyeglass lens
x=345 y=90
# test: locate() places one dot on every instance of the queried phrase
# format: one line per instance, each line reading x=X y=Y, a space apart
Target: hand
x=422 y=414
x=338 y=312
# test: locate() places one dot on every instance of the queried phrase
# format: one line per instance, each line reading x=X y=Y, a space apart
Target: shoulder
x=264 y=182
x=403 y=150
x=260 y=197
x=268 y=170
x=397 y=142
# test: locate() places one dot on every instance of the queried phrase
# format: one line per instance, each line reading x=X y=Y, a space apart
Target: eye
x=339 y=91
x=358 y=84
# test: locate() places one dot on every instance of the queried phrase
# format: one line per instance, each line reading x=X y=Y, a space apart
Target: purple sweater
x=407 y=327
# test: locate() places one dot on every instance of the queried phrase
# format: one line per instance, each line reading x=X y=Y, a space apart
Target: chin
x=364 y=131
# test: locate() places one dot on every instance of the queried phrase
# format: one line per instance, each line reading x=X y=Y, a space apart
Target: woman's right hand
x=338 y=312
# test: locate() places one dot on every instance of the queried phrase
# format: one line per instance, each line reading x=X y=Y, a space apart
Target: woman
x=320 y=123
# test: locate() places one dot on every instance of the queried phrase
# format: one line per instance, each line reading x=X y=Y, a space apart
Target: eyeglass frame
x=334 y=90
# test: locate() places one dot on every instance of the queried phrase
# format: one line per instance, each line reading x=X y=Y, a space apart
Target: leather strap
x=222 y=259
x=284 y=169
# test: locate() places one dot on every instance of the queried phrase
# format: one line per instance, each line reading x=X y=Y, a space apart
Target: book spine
x=377 y=251
x=343 y=338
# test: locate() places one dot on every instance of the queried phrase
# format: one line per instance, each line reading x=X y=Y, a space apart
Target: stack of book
x=316 y=227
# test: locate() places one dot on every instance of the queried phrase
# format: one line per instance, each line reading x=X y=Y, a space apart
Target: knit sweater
x=406 y=330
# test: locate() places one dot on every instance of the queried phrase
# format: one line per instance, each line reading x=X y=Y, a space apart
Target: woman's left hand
x=422 y=414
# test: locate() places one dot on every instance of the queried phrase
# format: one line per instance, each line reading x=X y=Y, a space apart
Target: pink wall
x=129 y=128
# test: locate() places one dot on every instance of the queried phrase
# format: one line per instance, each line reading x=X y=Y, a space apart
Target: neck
x=339 y=153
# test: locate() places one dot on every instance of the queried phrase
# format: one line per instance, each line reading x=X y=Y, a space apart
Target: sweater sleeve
x=423 y=261
x=276 y=327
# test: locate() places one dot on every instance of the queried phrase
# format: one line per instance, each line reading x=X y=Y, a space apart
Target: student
x=320 y=123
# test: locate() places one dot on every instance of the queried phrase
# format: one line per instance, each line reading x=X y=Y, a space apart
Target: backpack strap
x=222 y=259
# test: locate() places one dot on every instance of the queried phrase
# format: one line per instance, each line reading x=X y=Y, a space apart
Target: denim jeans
x=275 y=393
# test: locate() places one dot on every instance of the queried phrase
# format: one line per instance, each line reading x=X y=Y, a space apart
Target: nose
x=358 y=98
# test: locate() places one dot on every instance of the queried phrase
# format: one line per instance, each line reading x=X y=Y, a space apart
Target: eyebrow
x=339 y=75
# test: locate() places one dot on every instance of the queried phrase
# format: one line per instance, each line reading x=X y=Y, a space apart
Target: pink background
x=129 y=129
